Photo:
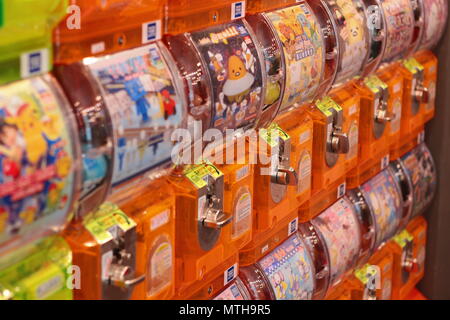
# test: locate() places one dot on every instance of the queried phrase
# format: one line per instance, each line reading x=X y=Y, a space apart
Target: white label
x=421 y=137
x=98 y=47
x=238 y=10
x=293 y=227
x=242 y=173
x=159 y=220
x=304 y=173
x=352 y=110
x=384 y=162
x=397 y=87
x=305 y=136
x=34 y=63
x=49 y=287
x=151 y=31
x=395 y=124
x=201 y=207
x=265 y=248
x=106 y=263
x=341 y=190
x=230 y=274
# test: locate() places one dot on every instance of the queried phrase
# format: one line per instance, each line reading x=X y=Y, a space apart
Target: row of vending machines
x=179 y=149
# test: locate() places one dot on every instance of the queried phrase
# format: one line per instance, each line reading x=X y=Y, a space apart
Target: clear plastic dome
x=421 y=171
x=40 y=160
x=141 y=89
x=235 y=74
x=286 y=273
x=299 y=30
x=339 y=228
x=353 y=37
x=435 y=20
x=399 y=20
x=384 y=198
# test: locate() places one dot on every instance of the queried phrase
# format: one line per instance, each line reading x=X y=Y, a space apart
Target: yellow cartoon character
x=28 y=214
x=239 y=80
x=29 y=124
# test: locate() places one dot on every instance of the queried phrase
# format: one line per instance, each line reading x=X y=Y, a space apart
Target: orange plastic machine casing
x=153 y=241
x=276 y=205
x=392 y=76
x=382 y=259
x=405 y=280
x=258 y=6
x=373 y=135
x=97 y=27
x=339 y=292
x=204 y=252
x=413 y=121
x=189 y=15
x=214 y=282
x=328 y=182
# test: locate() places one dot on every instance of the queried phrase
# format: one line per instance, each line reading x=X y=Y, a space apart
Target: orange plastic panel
x=258 y=6
x=189 y=15
x=264 y=242
x=153 y=242
x=98 y=27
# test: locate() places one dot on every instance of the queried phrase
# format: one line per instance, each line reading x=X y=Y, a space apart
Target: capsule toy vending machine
x=283 y=170
x=217 y=185
x=40 y=176
x=420 y=74
x=409 y=244
x=286 y=273
x=374 y=95
x=125 y=91
x=404 y=27
x=353 y=56
x=335 y=115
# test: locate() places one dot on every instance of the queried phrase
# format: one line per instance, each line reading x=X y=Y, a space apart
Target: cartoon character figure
x=29 y=124
x=12 y=151
x=138 y=94
x=280 y=285
x=239 y=81
x=169 y=104
x=289 y=39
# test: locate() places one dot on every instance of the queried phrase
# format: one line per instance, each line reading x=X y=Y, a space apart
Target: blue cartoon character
x=137 y=93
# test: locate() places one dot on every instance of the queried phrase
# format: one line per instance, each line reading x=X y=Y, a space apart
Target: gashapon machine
x=354 y=49
x=403 y=31
x=283 y=170
x=39 y=186
x=373 y=153
x=409 y=245
x=335 y=116
x=420 y=74
x=337 y=230
x=224 y=76
x=39 y=156
x=286 y=273
x=26 y=33
x=127 y=104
